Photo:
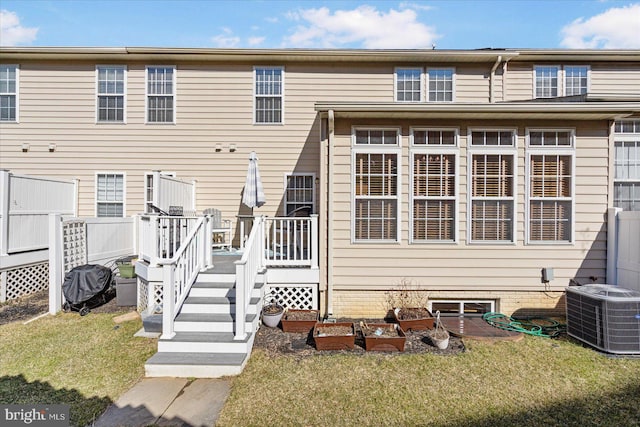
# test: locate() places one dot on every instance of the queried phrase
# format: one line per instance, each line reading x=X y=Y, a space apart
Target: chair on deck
x=220 y=229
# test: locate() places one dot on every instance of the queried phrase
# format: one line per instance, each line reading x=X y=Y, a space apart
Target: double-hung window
x=626 y=177
x=161 y=86
x=492 y=186
x=408 y=84
x=299 y=194
x=440 y=84
x=110 y=194
x=576 y=80
x=8 y=93
x=550 y=186
x=111 y=93
x=376 y=184
x=269 y=85
x=546 y=81
x=434 y=179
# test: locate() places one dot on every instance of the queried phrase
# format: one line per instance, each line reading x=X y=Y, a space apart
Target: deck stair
x=204 y=345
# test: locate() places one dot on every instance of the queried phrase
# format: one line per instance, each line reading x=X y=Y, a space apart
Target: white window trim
x=560 y=81
x=144 y=186
x=124 y=191
x=376 y=149
x=552 y=151
x=461 y=303
x=395 y=83
x=313 y=189
x=124 y=95
x=453 y=84
x=174 y=94
x=492 y=149
x=16 y=93
x=282 y=92
x=435 y=149
x=623 y=137
x=564 y=77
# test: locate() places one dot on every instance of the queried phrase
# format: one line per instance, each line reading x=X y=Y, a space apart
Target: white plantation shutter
x=434 y=184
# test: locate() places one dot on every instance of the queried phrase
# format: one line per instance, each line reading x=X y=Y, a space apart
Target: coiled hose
x=537 y=326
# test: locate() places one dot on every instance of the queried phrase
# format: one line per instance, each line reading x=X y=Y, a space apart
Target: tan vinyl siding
x=615 y=78
x=518 y=82
x=472 y=83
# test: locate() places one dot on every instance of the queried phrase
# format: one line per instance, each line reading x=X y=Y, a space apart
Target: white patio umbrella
x=253 y=195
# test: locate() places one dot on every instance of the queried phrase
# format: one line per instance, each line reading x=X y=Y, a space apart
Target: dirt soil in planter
x=27 y=307
x=413 y=313
x=385 y=331
x=301 y=345
x=334 y=331
x=301 y=315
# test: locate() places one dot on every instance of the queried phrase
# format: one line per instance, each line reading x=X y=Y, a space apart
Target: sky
x=368 y=24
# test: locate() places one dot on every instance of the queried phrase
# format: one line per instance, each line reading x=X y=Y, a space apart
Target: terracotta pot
x=301 y=321
x=325 y=340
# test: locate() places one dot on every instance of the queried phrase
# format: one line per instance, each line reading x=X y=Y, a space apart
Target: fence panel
x=628 y=251
x=27 y=202
x=174 y=192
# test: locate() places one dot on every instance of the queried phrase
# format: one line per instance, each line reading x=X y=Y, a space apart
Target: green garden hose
x=537 y=326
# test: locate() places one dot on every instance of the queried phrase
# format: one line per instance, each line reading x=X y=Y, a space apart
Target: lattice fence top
x=300 y=297
x=74 y=242
x=26 y=280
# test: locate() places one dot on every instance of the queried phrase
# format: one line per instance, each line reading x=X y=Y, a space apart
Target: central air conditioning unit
x=605 y=317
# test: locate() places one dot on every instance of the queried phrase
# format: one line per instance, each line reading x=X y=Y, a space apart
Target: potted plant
x=439 y=336
x=301 y=321
x=408 y=303
x=272 y=312
x=383 y=336
x=334 y=336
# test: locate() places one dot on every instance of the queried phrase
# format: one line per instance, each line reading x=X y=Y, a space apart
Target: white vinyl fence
x=623 y=268
x=79 y=241
x=169 y=192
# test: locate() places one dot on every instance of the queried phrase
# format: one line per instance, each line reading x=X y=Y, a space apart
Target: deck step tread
x=210 y=317
x=199 y=284
x=211 y=359
x=216 y=300
x=206 y=337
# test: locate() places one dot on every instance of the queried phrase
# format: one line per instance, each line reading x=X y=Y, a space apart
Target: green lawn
x=534 y=382
x=86 y=362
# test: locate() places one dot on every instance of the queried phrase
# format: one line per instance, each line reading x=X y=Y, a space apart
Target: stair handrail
x=180 y=272
x=247 y=269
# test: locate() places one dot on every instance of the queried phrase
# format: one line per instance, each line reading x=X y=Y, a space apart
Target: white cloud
x=255 y=41
x=12 y=33
x=414 y=6
x=226 y=39
x=616 y=28
x=363 y=26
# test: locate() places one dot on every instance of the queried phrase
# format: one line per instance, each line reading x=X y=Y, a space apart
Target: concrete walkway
x=168 y=402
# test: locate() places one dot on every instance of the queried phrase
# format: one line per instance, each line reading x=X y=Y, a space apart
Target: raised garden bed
x=334 y=336
x=414 y=318
x=300 y=321
x=383 y=337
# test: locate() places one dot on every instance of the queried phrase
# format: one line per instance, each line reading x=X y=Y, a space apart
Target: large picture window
x=161 y=94
x=434 y=185
x=550 y=187
x=269 y=84
x=111 y=93
x=8 y=93
x=376 y=180
x=110 y=194
x=492 y=184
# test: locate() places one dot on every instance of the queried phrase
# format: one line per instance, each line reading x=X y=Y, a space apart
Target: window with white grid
x=375 y=174
x=433 y=185
x=492 y=184
x=440 y=84
x=576 y=80
x=408 y=84
x=111 y=93
x=550 y=194
x=627 y=165
x=8 y=93
x=546 y=81
x=269 y=85
x=299 y=194
x=110 y=195
x=161 y=94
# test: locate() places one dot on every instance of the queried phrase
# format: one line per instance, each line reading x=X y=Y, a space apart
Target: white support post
x=155 y=234
x=168 y=301
x=76 y=189
x=314 y=241
x=156 y=189
x=56 y=269
x=4 y=211
x=208 y=243
x=612 y=246
x=3 y=286
x=135 y=220
x=193 y=195
x=241 y=286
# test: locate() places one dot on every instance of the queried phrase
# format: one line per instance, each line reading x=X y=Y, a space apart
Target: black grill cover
x=84 y=282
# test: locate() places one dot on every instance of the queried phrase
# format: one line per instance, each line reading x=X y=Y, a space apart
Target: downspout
x=492 y=76
x=330 y=138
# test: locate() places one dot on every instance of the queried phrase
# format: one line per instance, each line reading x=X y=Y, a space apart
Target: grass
x=85 y=362
x=534 y=382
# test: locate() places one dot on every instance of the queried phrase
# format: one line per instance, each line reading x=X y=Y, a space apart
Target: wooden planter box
x=325 y=341
x=416 y=324
x=301 y=321
x=373 y=342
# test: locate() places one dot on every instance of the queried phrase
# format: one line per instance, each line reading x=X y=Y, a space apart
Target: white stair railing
x=247 y=270
x=181 y=270
x=292 y=241
x=160 y=237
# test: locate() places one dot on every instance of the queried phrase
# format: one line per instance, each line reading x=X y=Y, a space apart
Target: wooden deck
x=477 y=328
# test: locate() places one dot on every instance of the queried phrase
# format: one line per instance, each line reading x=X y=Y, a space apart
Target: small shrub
x=406 y=294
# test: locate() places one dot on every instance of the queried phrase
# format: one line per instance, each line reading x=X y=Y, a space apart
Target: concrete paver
x=198 y=405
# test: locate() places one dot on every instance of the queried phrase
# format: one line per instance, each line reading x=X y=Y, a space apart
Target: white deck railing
x=181 y=271
x=247 y=270
x=291 y=242
x=160 y=237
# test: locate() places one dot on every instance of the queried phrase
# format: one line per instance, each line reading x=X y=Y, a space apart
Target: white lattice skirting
x=300 y=297
x=24 y=280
